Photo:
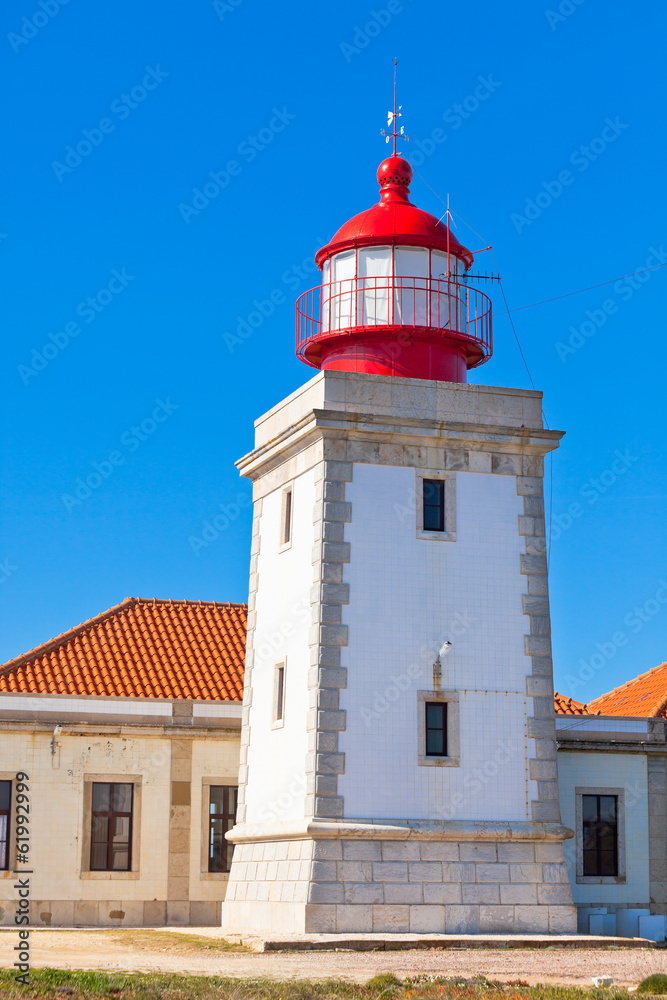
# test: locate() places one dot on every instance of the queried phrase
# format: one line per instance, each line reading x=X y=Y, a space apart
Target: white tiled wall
x=407 y=595
x=609 y=770
x=217 y=710
x=87 y=705
x=594 y=724
x=277 y=757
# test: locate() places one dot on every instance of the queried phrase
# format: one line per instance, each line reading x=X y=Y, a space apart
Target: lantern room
x=395 y=298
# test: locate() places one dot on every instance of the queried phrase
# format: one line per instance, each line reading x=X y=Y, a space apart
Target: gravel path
x=190 y=954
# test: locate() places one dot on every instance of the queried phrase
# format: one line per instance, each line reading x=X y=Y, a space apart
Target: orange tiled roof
x=645 y=696
x=568 y=706
x=144 y=649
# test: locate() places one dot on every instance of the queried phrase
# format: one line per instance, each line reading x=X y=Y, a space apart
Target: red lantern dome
x=395 y=219
x=394 y=298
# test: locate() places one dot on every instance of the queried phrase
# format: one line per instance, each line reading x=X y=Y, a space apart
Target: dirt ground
x=203 y=951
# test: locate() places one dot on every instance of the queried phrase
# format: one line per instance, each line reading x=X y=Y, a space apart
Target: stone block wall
x=399 y=886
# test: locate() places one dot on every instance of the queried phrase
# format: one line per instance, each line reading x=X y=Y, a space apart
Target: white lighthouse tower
x=398 y=768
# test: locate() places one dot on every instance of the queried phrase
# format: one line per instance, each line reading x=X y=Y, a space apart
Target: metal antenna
x=392 y=119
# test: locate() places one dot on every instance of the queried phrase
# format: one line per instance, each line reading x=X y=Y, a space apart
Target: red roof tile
x=568 y=706
x=141 y=648
x=645 y=696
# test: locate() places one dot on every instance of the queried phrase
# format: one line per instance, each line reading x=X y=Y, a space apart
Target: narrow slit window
x=600 y=834
x=286 y=518
x=279 y=698
x=436 y=728
x=5 y=810
x=221 y=818
x=434 y=504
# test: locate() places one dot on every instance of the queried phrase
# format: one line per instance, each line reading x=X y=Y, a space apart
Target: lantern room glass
x=374 y=270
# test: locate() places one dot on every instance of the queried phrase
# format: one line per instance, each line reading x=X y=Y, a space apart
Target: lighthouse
x=398 y=752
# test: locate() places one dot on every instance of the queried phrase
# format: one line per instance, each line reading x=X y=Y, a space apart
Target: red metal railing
x=362 y=305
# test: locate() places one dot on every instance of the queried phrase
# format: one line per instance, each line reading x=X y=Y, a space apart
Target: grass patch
x=53 y=984
x=383 y=983
x=175 y=943
x=656 y=984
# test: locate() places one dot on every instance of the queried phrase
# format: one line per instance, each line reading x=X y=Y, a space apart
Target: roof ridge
x=659 y=706
x=185 y=600
x=64 y=637
x=628 y=684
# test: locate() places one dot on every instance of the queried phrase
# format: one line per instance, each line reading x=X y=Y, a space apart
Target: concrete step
x=406 y=942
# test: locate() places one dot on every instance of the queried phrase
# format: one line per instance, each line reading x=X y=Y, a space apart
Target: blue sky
x=137 y=286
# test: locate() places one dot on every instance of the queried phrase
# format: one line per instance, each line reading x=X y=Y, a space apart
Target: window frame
x=208 y=783
x=111 y=814
x=453 y=734
x=441 y=729
x=439 y=507
x=279 y=692
x=422 y=476
x=286 y=527
x=620 y=878
x=598 y=828
x=7 y=867
x=136 y=780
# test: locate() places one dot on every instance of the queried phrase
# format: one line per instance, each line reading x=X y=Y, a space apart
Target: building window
x=436 y=728
x=600 y=834
x=434 y=504
x=5 y=807
x=279 y=695
x=111 y=830
x=221 y=818
x=286 y=510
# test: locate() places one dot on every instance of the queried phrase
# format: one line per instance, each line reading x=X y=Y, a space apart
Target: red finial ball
x=394 y=172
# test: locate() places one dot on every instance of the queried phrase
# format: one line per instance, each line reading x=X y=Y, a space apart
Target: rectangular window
x=286 y=517
x=434 y=504
x=600 y=834
x=436 y=728
x=280 y=692
x=221 y=818
x=5 y=808
x=111 y=830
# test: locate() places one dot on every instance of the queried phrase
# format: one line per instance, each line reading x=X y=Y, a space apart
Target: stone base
x=420 y=885
x=113 y=913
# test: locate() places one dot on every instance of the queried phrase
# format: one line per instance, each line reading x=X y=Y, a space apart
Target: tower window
x=436 y=728
x=600 y=834
x=279 y=695
x=286 y=517
x=434 y=504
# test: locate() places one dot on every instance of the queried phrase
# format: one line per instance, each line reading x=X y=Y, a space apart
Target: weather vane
x=392 y=119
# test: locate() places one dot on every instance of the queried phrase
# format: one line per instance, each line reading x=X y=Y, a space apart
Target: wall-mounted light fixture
x=54 y=744
x=437 y=666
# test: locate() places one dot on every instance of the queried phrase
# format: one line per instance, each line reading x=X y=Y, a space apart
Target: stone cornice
x=227 y=729
x=611 y=746
x=349 y=829
x=318 y=424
